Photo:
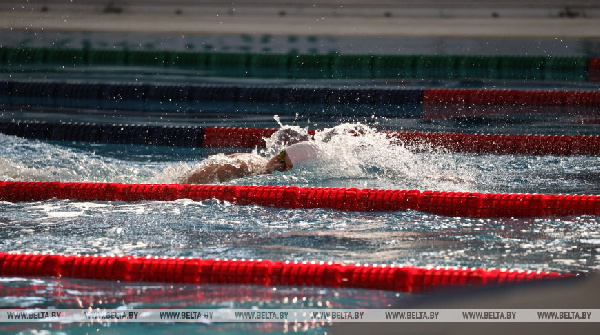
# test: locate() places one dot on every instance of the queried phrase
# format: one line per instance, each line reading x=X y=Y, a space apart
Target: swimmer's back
x=221 y=168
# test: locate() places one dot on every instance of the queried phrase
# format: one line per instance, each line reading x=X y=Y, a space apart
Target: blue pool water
x=216 y=229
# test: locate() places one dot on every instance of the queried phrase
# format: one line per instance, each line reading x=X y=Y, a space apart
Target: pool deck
x=212 y=24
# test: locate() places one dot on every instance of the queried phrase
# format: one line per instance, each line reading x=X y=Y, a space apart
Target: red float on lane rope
x=258 y=272
x=465 y=204
x=512 y=97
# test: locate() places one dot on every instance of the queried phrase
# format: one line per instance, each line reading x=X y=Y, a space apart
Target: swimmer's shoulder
x=251 y=159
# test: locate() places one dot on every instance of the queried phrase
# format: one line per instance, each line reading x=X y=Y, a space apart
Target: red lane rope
x=506 y=144
x=457 y=142
x=258 y=272
x=465 y=204
x=511 y=97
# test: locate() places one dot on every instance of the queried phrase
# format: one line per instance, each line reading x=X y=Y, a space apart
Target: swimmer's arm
x=218 y=173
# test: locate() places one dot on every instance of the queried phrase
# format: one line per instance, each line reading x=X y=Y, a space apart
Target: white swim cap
x=301 y=152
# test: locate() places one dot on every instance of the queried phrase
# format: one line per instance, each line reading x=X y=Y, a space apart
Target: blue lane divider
x=188 y=136
x=144 y=97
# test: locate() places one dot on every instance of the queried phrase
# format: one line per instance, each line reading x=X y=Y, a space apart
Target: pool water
x=217 y=229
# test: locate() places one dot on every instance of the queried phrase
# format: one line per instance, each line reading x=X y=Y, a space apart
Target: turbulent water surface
x=216 y=229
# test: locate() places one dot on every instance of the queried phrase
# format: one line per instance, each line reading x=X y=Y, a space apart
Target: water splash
x=284 y=136
x=33 y=160
x=358 y=152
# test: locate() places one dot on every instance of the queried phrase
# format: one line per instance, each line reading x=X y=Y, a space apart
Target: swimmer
x=221 y=168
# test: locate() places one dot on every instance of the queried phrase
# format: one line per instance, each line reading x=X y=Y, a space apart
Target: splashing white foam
x=15 y=170
x=350 y=155
x=358 y=151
